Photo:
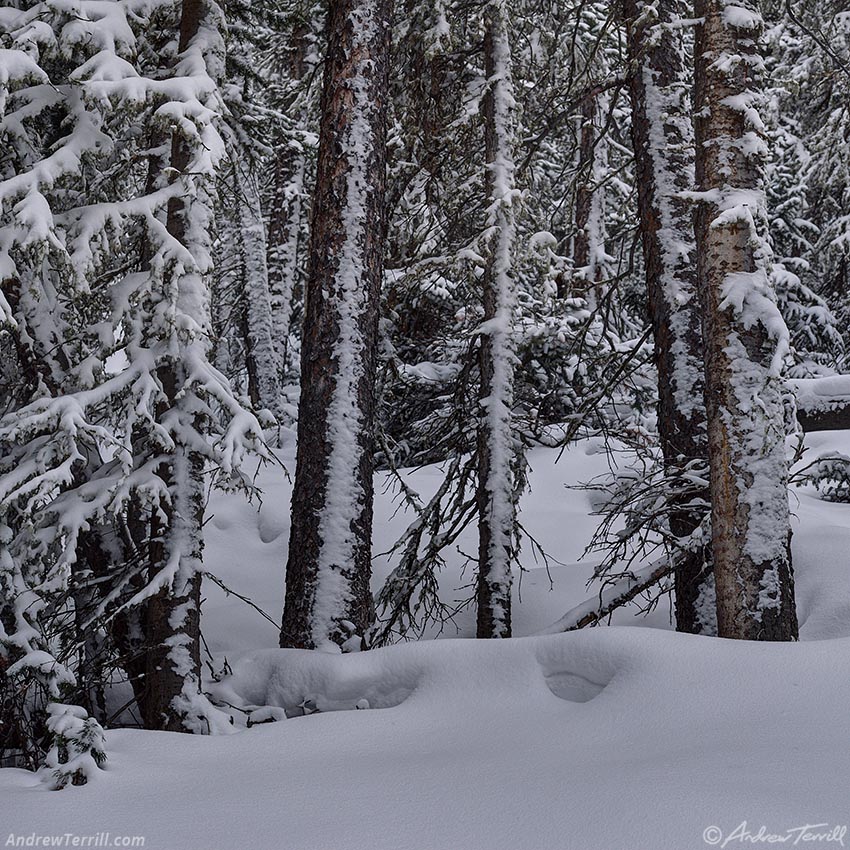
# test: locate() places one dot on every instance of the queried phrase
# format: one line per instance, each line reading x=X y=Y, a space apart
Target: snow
x=570 y=741
x=821 y=394
x=563 y=741
x=740 y=17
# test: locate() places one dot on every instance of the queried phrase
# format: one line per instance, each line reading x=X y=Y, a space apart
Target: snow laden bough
x=118 y=417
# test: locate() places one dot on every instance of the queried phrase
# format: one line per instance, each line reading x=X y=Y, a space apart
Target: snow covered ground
x=611 y=738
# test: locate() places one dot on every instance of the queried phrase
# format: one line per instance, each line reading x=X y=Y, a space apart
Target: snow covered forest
x=424 y=425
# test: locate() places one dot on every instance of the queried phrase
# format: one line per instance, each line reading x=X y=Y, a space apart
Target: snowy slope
x=247 y=548
x=612 y=738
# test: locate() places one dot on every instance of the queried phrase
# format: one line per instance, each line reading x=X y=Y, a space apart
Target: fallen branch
x=229 y=591
x=614 y=595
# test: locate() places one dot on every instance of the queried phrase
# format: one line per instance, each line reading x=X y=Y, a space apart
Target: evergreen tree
x=106 y=231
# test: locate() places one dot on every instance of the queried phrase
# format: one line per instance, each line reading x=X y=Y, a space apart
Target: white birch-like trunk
x=745 y=338
x=285 y=231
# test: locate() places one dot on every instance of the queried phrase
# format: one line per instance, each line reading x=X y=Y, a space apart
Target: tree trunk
x=173 y=615
x=173 y=700
x=496 y=494
x=285 y=223
x=262 y=357
x=287 y=215
x=589 y=255
x=745 y=337
x=94 y=558
x=328 y=598
x=584 y=275
x=663 y=141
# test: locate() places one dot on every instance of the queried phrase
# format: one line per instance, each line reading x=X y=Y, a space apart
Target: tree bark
x=286 y=216
x=172 y=630
x=589 y=254
x=584 y=200
x=328 y=597
x=496 y=493
x=264 y=370
x=745 y=338
x=662 y=135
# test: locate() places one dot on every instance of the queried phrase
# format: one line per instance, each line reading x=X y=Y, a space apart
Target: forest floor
x=609 y=738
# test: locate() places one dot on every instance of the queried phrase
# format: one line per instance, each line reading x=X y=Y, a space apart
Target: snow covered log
x=823 y=404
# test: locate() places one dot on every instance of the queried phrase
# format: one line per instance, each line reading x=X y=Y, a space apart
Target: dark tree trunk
x=95 y=559
x=286 y=217
x=496 y=493
x=664 y=166
x=172 y=617
x=328 y=597
x=746 y=434
x=584 y=199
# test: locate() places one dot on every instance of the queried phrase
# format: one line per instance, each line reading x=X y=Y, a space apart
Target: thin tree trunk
x=663 y=140
x=93 y=560
x=589 y=254
x=745 y=337
x=585 y=200
x=130 y=625
x=496 y=486
x=264 y=370
x=285 y=223
x=173 y=699
x=328 y=597
x=287 y=214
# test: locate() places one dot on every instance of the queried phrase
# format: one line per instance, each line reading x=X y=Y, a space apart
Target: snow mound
x=822 y=393
x=385 y=678
x=565 y=741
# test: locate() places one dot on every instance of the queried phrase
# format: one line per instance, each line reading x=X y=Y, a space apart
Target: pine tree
x=328 y=597
x=816 y=341
x=106 y=266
